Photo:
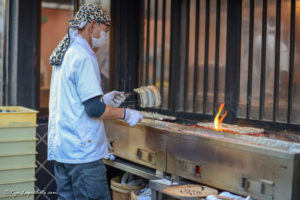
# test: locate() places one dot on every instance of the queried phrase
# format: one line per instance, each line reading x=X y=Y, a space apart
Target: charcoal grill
x=259 y=166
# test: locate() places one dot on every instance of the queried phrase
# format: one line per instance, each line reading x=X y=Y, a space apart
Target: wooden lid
x=190 y=190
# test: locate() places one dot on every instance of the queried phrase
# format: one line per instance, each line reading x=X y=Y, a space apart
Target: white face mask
x=99 y=42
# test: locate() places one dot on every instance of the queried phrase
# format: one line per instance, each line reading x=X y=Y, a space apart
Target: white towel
x=225 y=194
x=145 y=194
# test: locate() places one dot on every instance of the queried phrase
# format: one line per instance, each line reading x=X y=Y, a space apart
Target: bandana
x=87 y=13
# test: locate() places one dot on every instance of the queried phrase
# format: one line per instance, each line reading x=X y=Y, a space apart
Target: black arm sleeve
x=94 y=107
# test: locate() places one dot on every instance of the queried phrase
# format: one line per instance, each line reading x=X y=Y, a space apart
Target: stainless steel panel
x=142 y=144
x=238 y=168
x=133 y=168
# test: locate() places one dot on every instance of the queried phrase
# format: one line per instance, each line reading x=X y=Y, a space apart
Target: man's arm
x=113 y=113
x=97 y=109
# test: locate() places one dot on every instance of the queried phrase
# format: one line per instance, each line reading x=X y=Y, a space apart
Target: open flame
x=217 y=121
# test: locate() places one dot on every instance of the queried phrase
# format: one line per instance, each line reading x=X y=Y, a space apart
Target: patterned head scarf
x=87 y=13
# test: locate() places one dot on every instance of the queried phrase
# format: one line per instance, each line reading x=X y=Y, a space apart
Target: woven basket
x=121 y=191
x=134 y=195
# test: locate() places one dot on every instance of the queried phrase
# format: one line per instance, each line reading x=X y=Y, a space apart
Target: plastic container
x=17 y=152
x=17 y=146
x=121 y=191
x=17 y=133
x=22 y=197
x=17 y=174
x=17 y=190
x=17 y=160
x=17 y=116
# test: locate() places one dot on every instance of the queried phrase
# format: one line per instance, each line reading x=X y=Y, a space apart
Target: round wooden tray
x=190 y=190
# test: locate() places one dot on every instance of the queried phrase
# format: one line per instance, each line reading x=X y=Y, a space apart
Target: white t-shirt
x=73 y=136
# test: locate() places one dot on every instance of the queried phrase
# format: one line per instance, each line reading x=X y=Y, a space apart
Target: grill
x=234 y=129
x=201 y=54
x=260 y=166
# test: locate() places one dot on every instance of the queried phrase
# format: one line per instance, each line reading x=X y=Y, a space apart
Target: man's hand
x=132 y=117
x=114 y=98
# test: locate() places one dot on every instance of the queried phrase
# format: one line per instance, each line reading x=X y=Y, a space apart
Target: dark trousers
x=86 y=181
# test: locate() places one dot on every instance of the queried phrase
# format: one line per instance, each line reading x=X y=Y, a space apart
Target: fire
x=217 y=121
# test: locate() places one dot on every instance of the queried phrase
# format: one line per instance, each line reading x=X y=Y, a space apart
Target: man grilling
x=76 y=137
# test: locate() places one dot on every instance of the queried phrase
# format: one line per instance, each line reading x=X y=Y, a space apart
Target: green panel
x=17 y=147
x=17 y=133
x=17 y=161
x=7 y=190
x=16 y=175
x=22 y=197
